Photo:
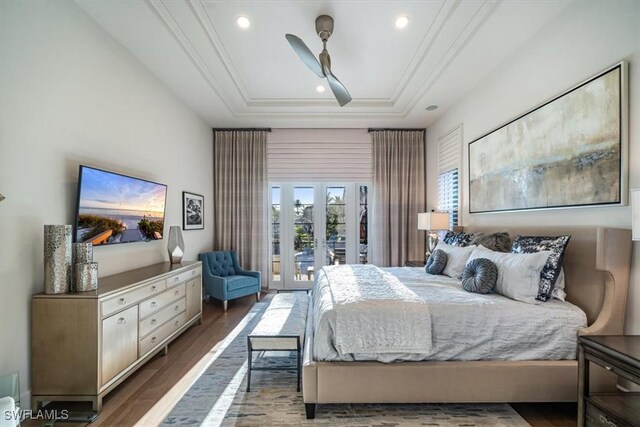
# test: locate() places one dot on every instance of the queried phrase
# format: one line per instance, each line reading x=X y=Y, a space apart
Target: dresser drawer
x=128 y=298
x=158 y=302
x=182 y=277
x=157 y=319
x=156 y=338
x=596 y=417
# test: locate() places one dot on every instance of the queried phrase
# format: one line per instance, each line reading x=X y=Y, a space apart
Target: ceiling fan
x=324 y=28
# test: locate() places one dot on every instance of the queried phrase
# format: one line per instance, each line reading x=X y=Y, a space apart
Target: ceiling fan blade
x=341 y=93
x=305 y=54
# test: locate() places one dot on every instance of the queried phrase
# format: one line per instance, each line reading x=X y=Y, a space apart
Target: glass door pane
x=275 y=234
x=303 y=236
x=363 y=227
x=336 y=225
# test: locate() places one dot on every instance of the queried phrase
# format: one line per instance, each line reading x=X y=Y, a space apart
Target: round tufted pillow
x=480 y=276
x=437 y=262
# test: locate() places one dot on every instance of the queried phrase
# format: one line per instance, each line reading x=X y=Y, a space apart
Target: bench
x=281 y=328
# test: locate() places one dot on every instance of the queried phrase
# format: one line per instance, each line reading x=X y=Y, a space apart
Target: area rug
x=219 y=397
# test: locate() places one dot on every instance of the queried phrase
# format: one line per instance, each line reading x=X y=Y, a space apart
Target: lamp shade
x=433 y=221
x=635 y=214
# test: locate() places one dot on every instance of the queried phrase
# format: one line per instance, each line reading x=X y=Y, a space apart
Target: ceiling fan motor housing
x=324 y=26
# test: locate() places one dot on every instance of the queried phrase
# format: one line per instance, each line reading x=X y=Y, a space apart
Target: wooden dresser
x=84 y=344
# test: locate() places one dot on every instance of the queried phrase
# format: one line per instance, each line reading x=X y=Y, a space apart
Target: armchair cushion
x=239 y=282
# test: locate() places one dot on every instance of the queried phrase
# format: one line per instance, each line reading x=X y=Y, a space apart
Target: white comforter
x=375 y=312
x=464 y=326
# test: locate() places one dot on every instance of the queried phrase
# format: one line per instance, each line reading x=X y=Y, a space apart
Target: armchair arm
x=244 y=272
x=215 y=286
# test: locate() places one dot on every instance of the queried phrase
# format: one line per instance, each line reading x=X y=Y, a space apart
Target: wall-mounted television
x=114 y=208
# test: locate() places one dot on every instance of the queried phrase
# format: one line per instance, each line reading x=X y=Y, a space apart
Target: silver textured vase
x=86 y=276
x=175 y=245
x=57 y=258
x=82 y=252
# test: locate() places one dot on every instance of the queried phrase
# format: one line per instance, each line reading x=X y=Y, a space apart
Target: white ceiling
x=234 y=77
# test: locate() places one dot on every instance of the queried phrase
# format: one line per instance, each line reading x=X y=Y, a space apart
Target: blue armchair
x=224 y=279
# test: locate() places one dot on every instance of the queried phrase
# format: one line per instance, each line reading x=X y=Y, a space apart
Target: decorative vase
x=175 y=246
x=57 y=258
x=86 y=276
x=82 y=252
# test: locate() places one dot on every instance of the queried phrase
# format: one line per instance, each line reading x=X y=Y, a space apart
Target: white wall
x=70 y=95
x=584 y=39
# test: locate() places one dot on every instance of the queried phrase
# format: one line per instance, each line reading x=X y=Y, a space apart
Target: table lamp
x=433 y=222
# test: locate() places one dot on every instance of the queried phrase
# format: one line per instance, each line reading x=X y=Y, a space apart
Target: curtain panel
x=399 y=194
x=240 y=196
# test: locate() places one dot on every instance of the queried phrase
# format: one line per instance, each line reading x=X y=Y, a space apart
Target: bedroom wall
x=584 y=39
x=72 y=95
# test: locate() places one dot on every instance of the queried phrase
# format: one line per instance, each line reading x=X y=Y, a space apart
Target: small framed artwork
x=192 y=211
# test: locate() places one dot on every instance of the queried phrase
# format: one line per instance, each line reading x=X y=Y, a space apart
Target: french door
x=313 y=225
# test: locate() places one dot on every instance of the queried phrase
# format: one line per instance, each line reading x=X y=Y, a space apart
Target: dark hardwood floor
x=164 y=378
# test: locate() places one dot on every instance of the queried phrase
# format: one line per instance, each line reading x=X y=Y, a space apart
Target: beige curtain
x=398 y=196
x=240 y=196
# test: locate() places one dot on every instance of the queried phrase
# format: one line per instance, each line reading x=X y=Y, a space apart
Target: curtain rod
x=398 y=129
x=240 y=129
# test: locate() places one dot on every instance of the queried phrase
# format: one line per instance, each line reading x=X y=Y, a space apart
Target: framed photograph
x=570 y=151
x=192 y=211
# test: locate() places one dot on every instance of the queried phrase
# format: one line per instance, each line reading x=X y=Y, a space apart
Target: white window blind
x=319 y=155
x=449 y=146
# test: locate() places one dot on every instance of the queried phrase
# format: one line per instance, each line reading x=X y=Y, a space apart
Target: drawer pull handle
x=177 y=322
x=608 y=368
x=153 y=340
x=176 y=292
x=122 y=301
x=122 y=321
x=154 y=321
x=153 y=304
x=153 y=288
x=175 y=279
x=176 y=308
x=193 y=273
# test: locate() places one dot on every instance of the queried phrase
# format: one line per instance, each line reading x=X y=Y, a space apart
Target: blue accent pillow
x=551 y=270
x=437 y=262
x=480 y=276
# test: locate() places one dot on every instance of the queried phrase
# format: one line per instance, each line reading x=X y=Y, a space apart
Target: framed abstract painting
x=570 y=151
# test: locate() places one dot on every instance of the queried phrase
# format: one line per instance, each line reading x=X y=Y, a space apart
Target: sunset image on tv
x=115 y=208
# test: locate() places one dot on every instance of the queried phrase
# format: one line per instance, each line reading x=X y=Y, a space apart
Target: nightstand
x=619 y=355
x=414 y=263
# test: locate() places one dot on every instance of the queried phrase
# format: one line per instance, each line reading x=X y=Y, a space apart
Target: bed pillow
x=457 y=257
x=458 y=239
x=549 y=275
x=499 y=242
x=436 y=262
x=518 y=274
x=558 y=290
x=479 y=276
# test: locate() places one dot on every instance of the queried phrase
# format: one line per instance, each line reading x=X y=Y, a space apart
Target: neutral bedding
x=464 y=325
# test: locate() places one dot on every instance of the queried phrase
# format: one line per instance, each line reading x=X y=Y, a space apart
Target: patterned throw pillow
x=479 y=276
x=436 y=262
x=551 y=270
x=458 y=239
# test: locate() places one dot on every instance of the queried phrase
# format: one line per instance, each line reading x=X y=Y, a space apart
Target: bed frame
x=599 y=288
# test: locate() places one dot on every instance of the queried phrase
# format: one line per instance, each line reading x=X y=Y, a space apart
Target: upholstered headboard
x=596 y=265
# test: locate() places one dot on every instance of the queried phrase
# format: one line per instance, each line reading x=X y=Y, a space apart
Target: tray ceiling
x=251 y=77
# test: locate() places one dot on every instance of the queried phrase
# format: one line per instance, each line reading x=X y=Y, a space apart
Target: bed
x=596 y=265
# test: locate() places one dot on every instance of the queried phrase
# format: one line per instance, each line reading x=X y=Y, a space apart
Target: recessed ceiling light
x=320 y=88
x=402 y=22
x=243 y=22
x=431 y=108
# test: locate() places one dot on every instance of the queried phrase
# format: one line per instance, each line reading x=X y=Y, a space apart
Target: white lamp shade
x=433 y=221
x=635 y=214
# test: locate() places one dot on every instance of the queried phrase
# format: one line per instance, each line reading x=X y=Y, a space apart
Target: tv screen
x=115 y=208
